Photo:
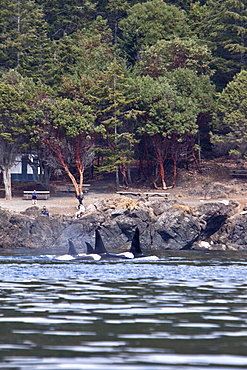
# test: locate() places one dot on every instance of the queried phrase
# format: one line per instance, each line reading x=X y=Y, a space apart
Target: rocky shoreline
x=164 y=225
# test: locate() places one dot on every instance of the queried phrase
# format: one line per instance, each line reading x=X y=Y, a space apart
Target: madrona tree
x=172 y=105
x=67 y=128
x=13 y=134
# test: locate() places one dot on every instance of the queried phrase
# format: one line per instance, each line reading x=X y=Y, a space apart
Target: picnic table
x=145 y=194
x=45 y=194
x=238 y=173
x=69 y=188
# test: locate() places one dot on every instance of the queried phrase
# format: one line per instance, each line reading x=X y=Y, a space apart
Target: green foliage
x=224 y=28
x=67 y=17
x=197 y=14
x=232 y=111
x=169 y=55
x=13 y=115
x=26 y=86
x=66 y=127
x=198 y=88
x=60 y=118
x=13 y=135
x=67 y=63
x=83 y=53
x=23 y=39
x=149 y=22
x=172 y=103
x=111 y=99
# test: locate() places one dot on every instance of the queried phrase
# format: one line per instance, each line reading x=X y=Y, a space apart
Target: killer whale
x=73 y=255
x=134 y=252
x=90 y=249
x=72 y=250
x=135 y=248
x=99 y=252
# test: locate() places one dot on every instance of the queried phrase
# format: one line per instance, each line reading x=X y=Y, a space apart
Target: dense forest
x=109 y=83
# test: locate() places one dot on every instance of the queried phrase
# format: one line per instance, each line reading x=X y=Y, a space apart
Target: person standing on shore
x=80 y=199
x=34 y=198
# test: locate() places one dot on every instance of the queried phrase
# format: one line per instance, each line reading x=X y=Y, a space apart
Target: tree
x=115 y=112
x=23 y=38
x=13 y=135
x=107 y=92
x=172 y=104
x=67 y=128
x=81 y=54
x=224 y=28
x=36 y=155
x=149 y=22
x=230 y=125
x=67 y=17
x=116 y=12
x=168 y=55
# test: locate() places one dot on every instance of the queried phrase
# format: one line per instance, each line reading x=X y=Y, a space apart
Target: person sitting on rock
x=45 y=211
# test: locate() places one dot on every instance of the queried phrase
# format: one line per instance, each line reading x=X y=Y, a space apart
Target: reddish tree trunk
x=160 y=149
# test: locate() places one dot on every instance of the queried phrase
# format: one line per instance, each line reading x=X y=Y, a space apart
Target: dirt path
x=66 y=205
x=56 y=205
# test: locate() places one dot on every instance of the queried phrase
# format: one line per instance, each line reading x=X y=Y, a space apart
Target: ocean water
x=185 y=311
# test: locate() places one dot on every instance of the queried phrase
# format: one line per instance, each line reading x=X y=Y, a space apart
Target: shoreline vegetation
x=108 y=85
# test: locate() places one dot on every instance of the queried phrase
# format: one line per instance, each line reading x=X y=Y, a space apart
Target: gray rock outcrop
x=163 y=225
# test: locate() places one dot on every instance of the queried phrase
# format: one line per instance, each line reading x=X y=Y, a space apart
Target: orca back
x=72 y=250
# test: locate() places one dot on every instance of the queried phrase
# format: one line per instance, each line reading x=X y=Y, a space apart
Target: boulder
x=232 y=233
x=177 y=228
x=214 y=214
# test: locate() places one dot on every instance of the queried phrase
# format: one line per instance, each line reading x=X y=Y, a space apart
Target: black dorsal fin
x=72 y=250
x=99 y=245
x=90 y=249
x=135 y=244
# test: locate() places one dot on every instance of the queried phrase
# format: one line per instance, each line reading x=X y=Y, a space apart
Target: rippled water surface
x=186 y=311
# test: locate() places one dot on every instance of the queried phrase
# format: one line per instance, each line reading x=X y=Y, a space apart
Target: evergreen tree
x=67 y=17
x=82 y=53
x=149 y=22
x=225 y=29
x=230 y=127
x=116 y=11
x=23 y=41
x=114 y=107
